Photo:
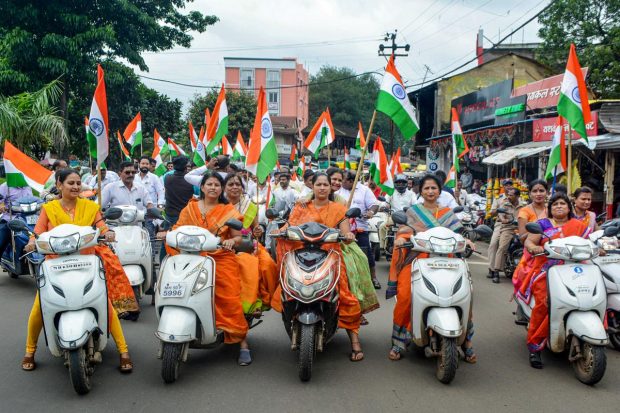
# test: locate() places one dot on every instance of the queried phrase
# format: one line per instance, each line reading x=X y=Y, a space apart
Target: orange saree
x=228 y=309
x=329 y=215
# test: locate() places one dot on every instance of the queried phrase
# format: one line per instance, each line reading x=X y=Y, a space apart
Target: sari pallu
x=535 y=282
x=421 y=219
x=229 y=315
x=120 y=293
x=329 y=215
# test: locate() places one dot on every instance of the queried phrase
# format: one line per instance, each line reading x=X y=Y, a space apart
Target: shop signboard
x=543 y=129
x=480 y=106
x=283 y=148
x=510 y=110
x=543 y=93
x=432 y=160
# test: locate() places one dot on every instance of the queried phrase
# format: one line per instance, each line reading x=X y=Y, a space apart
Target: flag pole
x=569 y=160
x=328 y=156
x=99 y=184
x=360 y=165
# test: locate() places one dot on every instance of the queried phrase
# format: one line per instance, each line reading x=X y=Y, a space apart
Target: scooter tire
x=13 y=275
x=590 y=369
x=614 y=339
x=307 y=350
x=448 y=360
x=79 y=371
x=171 y=361
x=468 y=252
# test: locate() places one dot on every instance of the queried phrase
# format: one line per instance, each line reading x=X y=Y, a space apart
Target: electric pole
x=394 y=51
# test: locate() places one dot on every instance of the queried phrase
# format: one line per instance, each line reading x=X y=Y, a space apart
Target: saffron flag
x=573 y=102
x=360 y=140
x=122 y=146
x=133 y=132
x=226 y=147
x=379 y=170
x=262 y=152
x=394 y=102
x=92 y=142
x=23 y=171
x=98 y=119
x=160 y=149
x=175 y=149
x=557 y=156
x=321 y=135
x=218 y=124
x=395 y=165
x=240 y=151
x=207 y=119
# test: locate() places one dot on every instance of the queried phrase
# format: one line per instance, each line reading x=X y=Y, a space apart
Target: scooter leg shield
x=134 y=274
x=176 y=325
x=445 y=321
x=613 y=302
x=74 y=328
x=587 y=325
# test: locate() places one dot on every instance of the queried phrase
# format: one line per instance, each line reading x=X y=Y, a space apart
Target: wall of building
x=522 y=70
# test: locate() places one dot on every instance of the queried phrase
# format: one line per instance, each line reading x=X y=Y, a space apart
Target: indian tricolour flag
x=379 y=170
x=240 y=150
x=321 y=135
x=92 y=142
x=395 y=165
x=347 y=159
x=557 y=156
x=161 y=148
x=227 y=149
x=98 y=119
x=451 y=178
x=573 y=102
x=262 y=152
x=360 y=141
x=198 y=148
x=175 y=149
x=133 y=132
x=459 y=144
x=301 y=167
x=394 y=102
x=23 y=171
x=218 y=124
x=122 y=146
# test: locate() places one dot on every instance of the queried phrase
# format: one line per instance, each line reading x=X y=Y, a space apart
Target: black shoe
x=490 y=274
x=495 y=277
x=536 y=360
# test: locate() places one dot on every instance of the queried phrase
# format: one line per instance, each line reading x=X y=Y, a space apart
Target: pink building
x=276 y=76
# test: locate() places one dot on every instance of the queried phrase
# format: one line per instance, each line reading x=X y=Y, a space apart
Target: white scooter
x=577 y=304
x=133 y=248
x=74 y=299
x=374 y=224
x=441 y=290
x=609 y=265
x=184 y=297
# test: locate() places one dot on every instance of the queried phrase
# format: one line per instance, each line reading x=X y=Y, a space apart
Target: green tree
x=594 y=27
x=31 y=120
x=241 y=111
x=350 y=101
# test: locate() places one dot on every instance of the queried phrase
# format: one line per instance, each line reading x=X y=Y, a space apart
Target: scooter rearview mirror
x=534 y=228
x=234 y=224
x=271 y=213
x=353 y=213
x=381 y=198
x=154 y=213
x=458 y=209
x=399 y=217
x=17 y=225
x=113 y=213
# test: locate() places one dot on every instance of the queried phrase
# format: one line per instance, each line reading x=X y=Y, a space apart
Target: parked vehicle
x=74 y=297
x=374 y=224
x=14 y=261
x=309 y=279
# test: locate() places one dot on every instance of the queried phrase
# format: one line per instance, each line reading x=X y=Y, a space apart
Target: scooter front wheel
x=590 y=367
x=171 y=361
x=448 y=360
x=79 y=371
x=307 y=350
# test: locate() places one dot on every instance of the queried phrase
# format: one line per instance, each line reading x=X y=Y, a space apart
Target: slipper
x=245 y=357
x=470 y=355
x=536 y=361
x=376 y=284
x=394 y=354
x=364 y=321
x=355 y=354
x=28 y=363
x=126 y=365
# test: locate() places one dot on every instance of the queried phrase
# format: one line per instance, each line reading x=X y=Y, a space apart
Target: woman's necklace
x=70 y=211
x=537 y=213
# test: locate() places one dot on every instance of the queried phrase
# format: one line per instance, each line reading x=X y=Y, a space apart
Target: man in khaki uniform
x=508 y=221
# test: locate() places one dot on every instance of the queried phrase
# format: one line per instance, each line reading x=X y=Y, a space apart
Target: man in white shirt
x=126 y=192
x=107 y=177
x=401 y=199
x=307 y=188
x=155 y=188
x=284 y=193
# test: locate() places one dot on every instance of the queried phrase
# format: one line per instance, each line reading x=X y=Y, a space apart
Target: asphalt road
x=211 y=380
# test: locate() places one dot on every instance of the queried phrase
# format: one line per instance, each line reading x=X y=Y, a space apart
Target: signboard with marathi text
x=543 y=129
x=480 y=106
x=543 y=93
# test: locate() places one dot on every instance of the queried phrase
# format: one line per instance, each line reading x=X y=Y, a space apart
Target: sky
x=441 y=34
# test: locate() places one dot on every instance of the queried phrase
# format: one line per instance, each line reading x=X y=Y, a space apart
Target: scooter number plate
x=173 y=290
x=610 y=260
x=32 y=219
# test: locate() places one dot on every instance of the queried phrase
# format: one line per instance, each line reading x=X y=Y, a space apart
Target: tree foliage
x=350 y=101
x=594 y=27
x=241 y=111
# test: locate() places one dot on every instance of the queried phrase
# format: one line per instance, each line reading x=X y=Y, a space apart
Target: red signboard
x=543 y=129
x=543 y=93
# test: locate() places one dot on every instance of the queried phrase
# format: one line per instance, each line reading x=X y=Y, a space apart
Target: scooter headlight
x=560 y=251
x=190 y=243
x=64 y=245
x=443 y=246
x=292 y=235
x=129 y=216
x=582 y=252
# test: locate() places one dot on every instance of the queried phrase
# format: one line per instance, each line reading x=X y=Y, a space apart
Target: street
x=502 y=380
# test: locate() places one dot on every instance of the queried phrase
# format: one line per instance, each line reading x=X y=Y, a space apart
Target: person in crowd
x=152 y=165
x=401 y=200
x=443 y=178
x=365 y=200
x=376 y=189
x=283 y=193
x=259 y=273
x=460 y=194
x=107 y=177
x=559 y=224
x=410 y=184
x=155 y=188
x=415 y=187
x=250 y=184
x=71 y=209
x=446 y=198
x=494 y=243
x=559 y=188
x=508 y=224
x=126 y=192
x=8 y=196
x=467 y=179
x=50 y=186
x=322 y=208
x=582 y=203
x=211 y=212
x=532 y=212
x=170 y=165
x=307 y=188
x=422 y=217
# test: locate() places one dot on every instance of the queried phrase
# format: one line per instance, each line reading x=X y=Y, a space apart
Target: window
x=273 y=95
x=246 y=79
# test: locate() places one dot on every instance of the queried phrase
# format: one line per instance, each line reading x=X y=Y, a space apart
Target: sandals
x=126 y=365
x=356 y=355
x=536 y=360
x=470 y=355
x=394 y=353
x=245 y=357
x=376 y=284
x=364 y=321
x=28 y=363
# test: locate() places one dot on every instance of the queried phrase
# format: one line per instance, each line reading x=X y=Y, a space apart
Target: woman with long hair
x=582 y=203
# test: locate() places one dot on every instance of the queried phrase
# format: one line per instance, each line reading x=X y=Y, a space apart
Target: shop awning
x=516 y=152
